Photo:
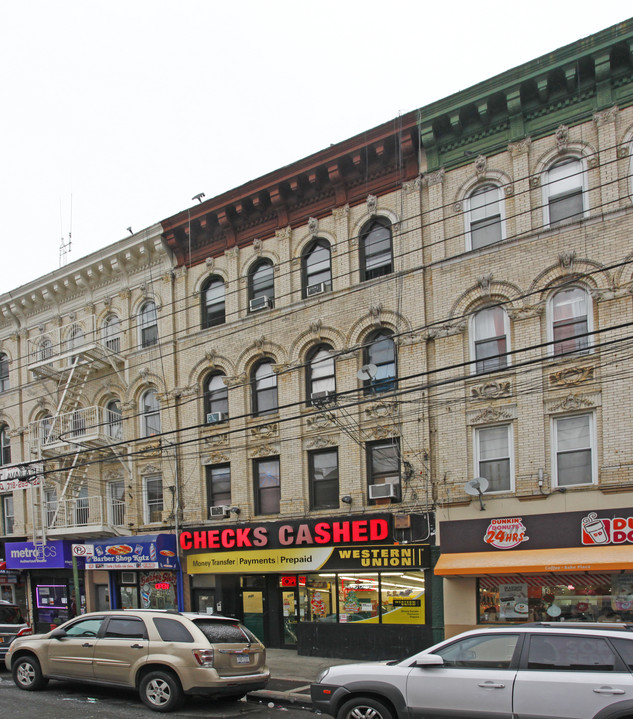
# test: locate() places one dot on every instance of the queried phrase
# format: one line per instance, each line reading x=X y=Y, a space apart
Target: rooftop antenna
x=65 y=247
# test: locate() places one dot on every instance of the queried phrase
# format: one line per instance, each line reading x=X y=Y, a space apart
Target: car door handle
x=136 y=646
x=491 y=685
x=609 y=690
x=87 y=644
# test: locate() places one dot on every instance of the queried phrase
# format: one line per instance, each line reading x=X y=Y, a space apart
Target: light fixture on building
x=346 y=498
x=235 y=510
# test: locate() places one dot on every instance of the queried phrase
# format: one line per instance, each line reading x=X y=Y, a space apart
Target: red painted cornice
x=373 y=163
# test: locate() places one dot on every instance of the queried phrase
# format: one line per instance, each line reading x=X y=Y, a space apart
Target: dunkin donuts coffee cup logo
x=506 y=533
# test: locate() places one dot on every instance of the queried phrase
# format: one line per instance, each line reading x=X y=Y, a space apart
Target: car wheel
x=161 y=691
x=27 y=674
x=364 y=708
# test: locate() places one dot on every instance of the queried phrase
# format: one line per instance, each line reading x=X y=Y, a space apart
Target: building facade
x=372 y=397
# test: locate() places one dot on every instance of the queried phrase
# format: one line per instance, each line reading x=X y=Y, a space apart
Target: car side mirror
x=57 y=634
x=429 y=660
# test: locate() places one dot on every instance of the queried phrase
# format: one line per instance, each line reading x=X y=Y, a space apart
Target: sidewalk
x=291 y=675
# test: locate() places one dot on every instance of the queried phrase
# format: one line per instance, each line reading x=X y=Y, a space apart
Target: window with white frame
x=148 y=324
x=485 y=217
x=261 y=285
x=570 y=321
x=216 y=398
x=490 y=331
x=316 y=268
x=321 y=375
x=7 y=514
x=212 y=302
x=494 y=457
x=574 y=450
x=114 y=419
x=4 y=373
x=150 y=414
x=116 y=503
x=267 y=485
x=153 y=496
x=380 y=352
x=564 y=191
x=50 y=506
x=218 y=485
x=5 y=445
x=376 y=250
x=111 y=333
x=383 y=468
x=264 y=388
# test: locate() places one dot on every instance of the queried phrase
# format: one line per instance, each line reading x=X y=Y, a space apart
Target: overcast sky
x=124 y=110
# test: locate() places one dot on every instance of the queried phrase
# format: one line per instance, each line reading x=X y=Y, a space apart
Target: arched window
x=489 y=339
x=212 y=302
x=216 y=399
x=148 y=324
x=74 y=338
x=564 y=191
x=380 y=363
x=114 y=419
x=150 y=414
x=316 y=268
x=45 y=427
x=4 y=372
x=321 y=375
x=264 y=388
x=376 y=254
x=5 y=445
x=485 y=217
x=261 y=286
x=570 y=321
x=111 y=333
x=45 y=349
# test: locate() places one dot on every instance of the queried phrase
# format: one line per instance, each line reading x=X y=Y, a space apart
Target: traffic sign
x=83 y=550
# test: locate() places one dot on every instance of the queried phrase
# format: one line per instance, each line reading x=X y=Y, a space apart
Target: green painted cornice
x=565 y=86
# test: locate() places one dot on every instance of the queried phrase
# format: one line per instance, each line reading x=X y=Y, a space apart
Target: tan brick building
x=300 y=379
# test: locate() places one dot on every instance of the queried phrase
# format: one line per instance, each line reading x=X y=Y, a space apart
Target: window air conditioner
x=317 y=289
x=260 y=303
x=128 y=577
x=325 y=396
x=219 y=510
x=380 y=491
x=215 y=417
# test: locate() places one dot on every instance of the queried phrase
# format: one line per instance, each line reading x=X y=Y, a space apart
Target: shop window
x=267 y=485
x=481 y=652
x=358 y=596
x=321 y=375
x=574 y=442
x=376 y=252
x=218 y=486
x=114 y=419
x=564 y=191
x=570 y=321
x=216 y=399
x=317 y=598
x=5 y=445
x=116 y=503
x=150 y=414
x=490 y=339
x=402 y=597
x=323 y=472
x=264 y=388
x=212 y=302
x=383 y=471
x=153 y=496
x=379 y=361
x=111 y=333
x=4 y=373
x=8 y=518
x=148 y=325
x=261 y=286
x=316 y=268
x=485 y=218
x=494 y=458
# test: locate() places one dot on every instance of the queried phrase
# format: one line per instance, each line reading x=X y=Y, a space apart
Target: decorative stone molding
x=375 y=312
x=573 y=402
x=107 y=302
x=315 y=327
x=236 y=380
x=571 y=376
x=491 y=390
x=447 y=330
x=340 y=213
x=535 y=181
x=217 y=440
x=623 y=151
x=566 y=260
x=232 y=253
x=144 y=373
x=321 y=442
x=265 y=450
x=258 y=246
x=284 y=233
x=526 y=311
x=481 y=165
x=321 y=421
x=113 y=474
x=508 y=190
x=562 y=138
x=210 y=263
x=151 y=469
x=210 y=355
x=260 y=342
x=606 y=117
x=381 y=409
x=485 y=284
x=519 y=148
x=264 y=431
x=313 y=225
x=125 y=294
x=372 y=202
x=128 y=406
x=490 y=414
x=434 y=178
x=413 y=185
x=458 y=207
x=215 y=458
x=384 y=431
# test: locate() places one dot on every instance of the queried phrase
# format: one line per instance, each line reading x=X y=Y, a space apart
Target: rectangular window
x=7 y=514
x=116 y=503
x=218 y=484
x=267 y=485
x=153 y=487
x=323 y=469
x=573 y=443
x=383 y=470
x=50 y=503
x=493 y=457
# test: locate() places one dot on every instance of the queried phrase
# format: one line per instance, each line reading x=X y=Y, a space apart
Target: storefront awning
x=567 y=559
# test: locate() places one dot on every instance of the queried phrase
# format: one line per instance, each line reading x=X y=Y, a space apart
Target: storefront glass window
x=317 y=598
x=359 y=598
x=402 y=597
x=556 y=598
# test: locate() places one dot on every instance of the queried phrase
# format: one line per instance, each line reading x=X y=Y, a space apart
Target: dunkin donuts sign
x=607 y=530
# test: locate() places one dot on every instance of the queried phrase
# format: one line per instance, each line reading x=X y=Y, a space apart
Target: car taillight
x=24 y=632
x=204 y=657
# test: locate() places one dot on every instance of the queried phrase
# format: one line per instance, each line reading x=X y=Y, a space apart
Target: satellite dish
x=476 y=488
x=367 y=372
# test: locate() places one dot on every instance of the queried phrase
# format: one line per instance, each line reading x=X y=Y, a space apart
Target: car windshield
x=220 y=632
x=10 y=615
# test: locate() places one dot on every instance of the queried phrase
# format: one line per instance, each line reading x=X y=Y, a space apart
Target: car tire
x=364 y=708
x=27 y=674
x=161 y=691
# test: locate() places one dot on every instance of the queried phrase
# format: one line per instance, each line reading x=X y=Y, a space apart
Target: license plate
x=243 y=659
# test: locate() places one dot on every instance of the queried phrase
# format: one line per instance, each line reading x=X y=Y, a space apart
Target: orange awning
x=567 y=559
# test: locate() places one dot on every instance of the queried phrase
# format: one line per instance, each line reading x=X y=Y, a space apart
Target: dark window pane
x=491 y=354
x=497 y=472
x=566 y=207
x=569 y=653
x=574 y=467
x=171 y=630
x=485 y=232
x=219 y=632
x=376 y=248
x=124 y=628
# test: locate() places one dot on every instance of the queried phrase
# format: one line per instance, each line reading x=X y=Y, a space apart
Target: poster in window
x=622 y=592
x=513 y=601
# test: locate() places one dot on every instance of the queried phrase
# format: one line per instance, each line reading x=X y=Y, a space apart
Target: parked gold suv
x=163 y=654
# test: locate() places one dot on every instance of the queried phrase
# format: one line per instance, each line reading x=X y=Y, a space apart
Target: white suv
x=540 y=671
